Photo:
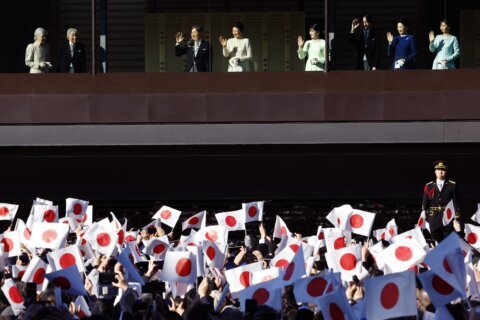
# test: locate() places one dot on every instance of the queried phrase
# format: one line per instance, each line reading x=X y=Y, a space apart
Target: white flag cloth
x=379 y=234
x=214 y=253
x=283 y=258
x=403 y=254
x=475 y=217
x=35 y=271
x=66 y=257
x=448 y=213
x=334 y=240
x=101 y=239
x=347 y=261
x=281 y=228
x=18 y=271
x=68 y=279
x=422 y=220
x=357 y=221
x=13 y=296
x=197 y=257
x=415 y=234
x=179 y=267
x=212 y=233
x=82 y=309
x=23 y=233
x=168 y=215
x=266 y=293
x=391 y=296
x=135 y=253
x=336 y=213
x=265 y=275
x=196 y=221
x=439 y=291
x=49 y=235
x=11 y=243
x=308 y=290
x=76 y=209
x=253 y=211
x=232 y=220
x=472 y=235
x=131 y=271
x=8 y=211
x=377 y=253
x=391 y=230
x=156 y=248
x=240 y=277
x=45 y=213
x=335 y=306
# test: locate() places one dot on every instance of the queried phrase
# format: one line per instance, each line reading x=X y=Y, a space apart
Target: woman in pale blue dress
x=446 y=47
x=314 y=49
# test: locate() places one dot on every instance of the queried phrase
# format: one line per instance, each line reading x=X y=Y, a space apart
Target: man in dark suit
x=436 y=195
x=367 y=44
x=198 y=50
x=71 y=56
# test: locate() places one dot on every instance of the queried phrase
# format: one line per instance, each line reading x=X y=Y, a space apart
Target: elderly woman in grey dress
x=37 y=55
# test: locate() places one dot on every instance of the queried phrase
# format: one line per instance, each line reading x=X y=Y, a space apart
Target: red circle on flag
x=77 y=208
x=83 y=242
x=316 y=287
x=193 y=220
x=282 y=263
x=389 y=295
x=231 y=221
x=103 y=239
x=382 y=236
x=348 y=261
x=159 y=248
x=294 y=247
x=339 y=243
x=338 y=221
x=39 y=276
x=289 y=271
x=244 y=279
x=81 y=314
x=449 y=213
x=67 y=260
x=252 y=211
x=441 y=286
x=356 y=221
x=183 y=267
x=283 y=231
x=20 y=274
x=121 y=236
x=62 y=282
x=83 y=253
x=403 y=253
x=446 y=265
x=421 y=221
x=166 y=214
x=4 y=211
x=210 y=253
x=49 y=216
x=211 y=235
x=261 y=295
x=15 y=295
x=335 y=311
x=27 y=234
x=391 y=231
x=129 y=238
x=472 y=238
x=49 y=236
x=7 y=244
x=321 y=236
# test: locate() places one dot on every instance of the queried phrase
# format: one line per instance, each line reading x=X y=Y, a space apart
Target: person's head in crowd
x=444 y=26
x=197 y=33
x=40 y=35
x=231 y=313
x=424 y=301
x=37 y=311
x=303 y=313
x=198 y=311
x=440 y=169
x=265 y=312
x=367 y=21
x=315 y=31
x=402 y=27
x=237 y=30
x=72 y=35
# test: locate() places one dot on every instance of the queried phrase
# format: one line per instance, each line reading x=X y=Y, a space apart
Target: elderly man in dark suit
x=367 y=44
x=197 y=49
x=71 y=56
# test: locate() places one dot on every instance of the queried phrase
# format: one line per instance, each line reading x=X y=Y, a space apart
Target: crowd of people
x=238 y=50
x=177 y=267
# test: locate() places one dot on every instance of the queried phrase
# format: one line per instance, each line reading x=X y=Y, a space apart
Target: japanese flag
x=283 y=258
x=448 y=213
x=335 y=215
x=391 y=230
x=377 y=253
x=66 y=257
x=403 y=254
x=240 y=277
x=358 y=221
x=294 y=270
x=82 y=309
x=391 y=296
x=68 y=279
x=35 y=271
x=168 y=215
x=8 y=211
x=335 y=306
x=334 y=240
x=49 y=235
x=18 y=271
x=45 y=213
x=135 y=253
x=347 y=261
x=76 y=209
x=281 y=228
x=11 y=243
x=197 y=256
x=13 y=296
x=131 y=236
x=196 y=221
x=232 y=220
x=212 y=233
x=472 y=235
x=379 y=234
x=23 y=233
x=266 y=293
x=475 y=217
x=415 y=234
x=214 y=253
x=308 y=290
x=253 y=211
x=179 y=267
x=86 y=252
x=422 y=220
x=101 y=239
x=265 y=275
x=156 y=248
x=88 y=218
x=71 y=223
x=131 y=271
x=439 y=291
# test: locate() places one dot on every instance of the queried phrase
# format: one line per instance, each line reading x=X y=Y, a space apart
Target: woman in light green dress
x=446 y=47
x=313 y=50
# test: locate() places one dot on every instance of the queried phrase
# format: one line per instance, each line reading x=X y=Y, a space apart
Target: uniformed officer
x=436 y=195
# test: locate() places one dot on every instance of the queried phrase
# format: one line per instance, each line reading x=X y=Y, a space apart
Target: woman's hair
x=38 y=33
x=404 y=22
x=239 y=26
x=316 y=27
x=446 y=22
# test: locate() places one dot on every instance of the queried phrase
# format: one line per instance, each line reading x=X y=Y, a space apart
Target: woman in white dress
x=37 y=55
x=446 y=47
x=313 y=50
x=237 y=50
